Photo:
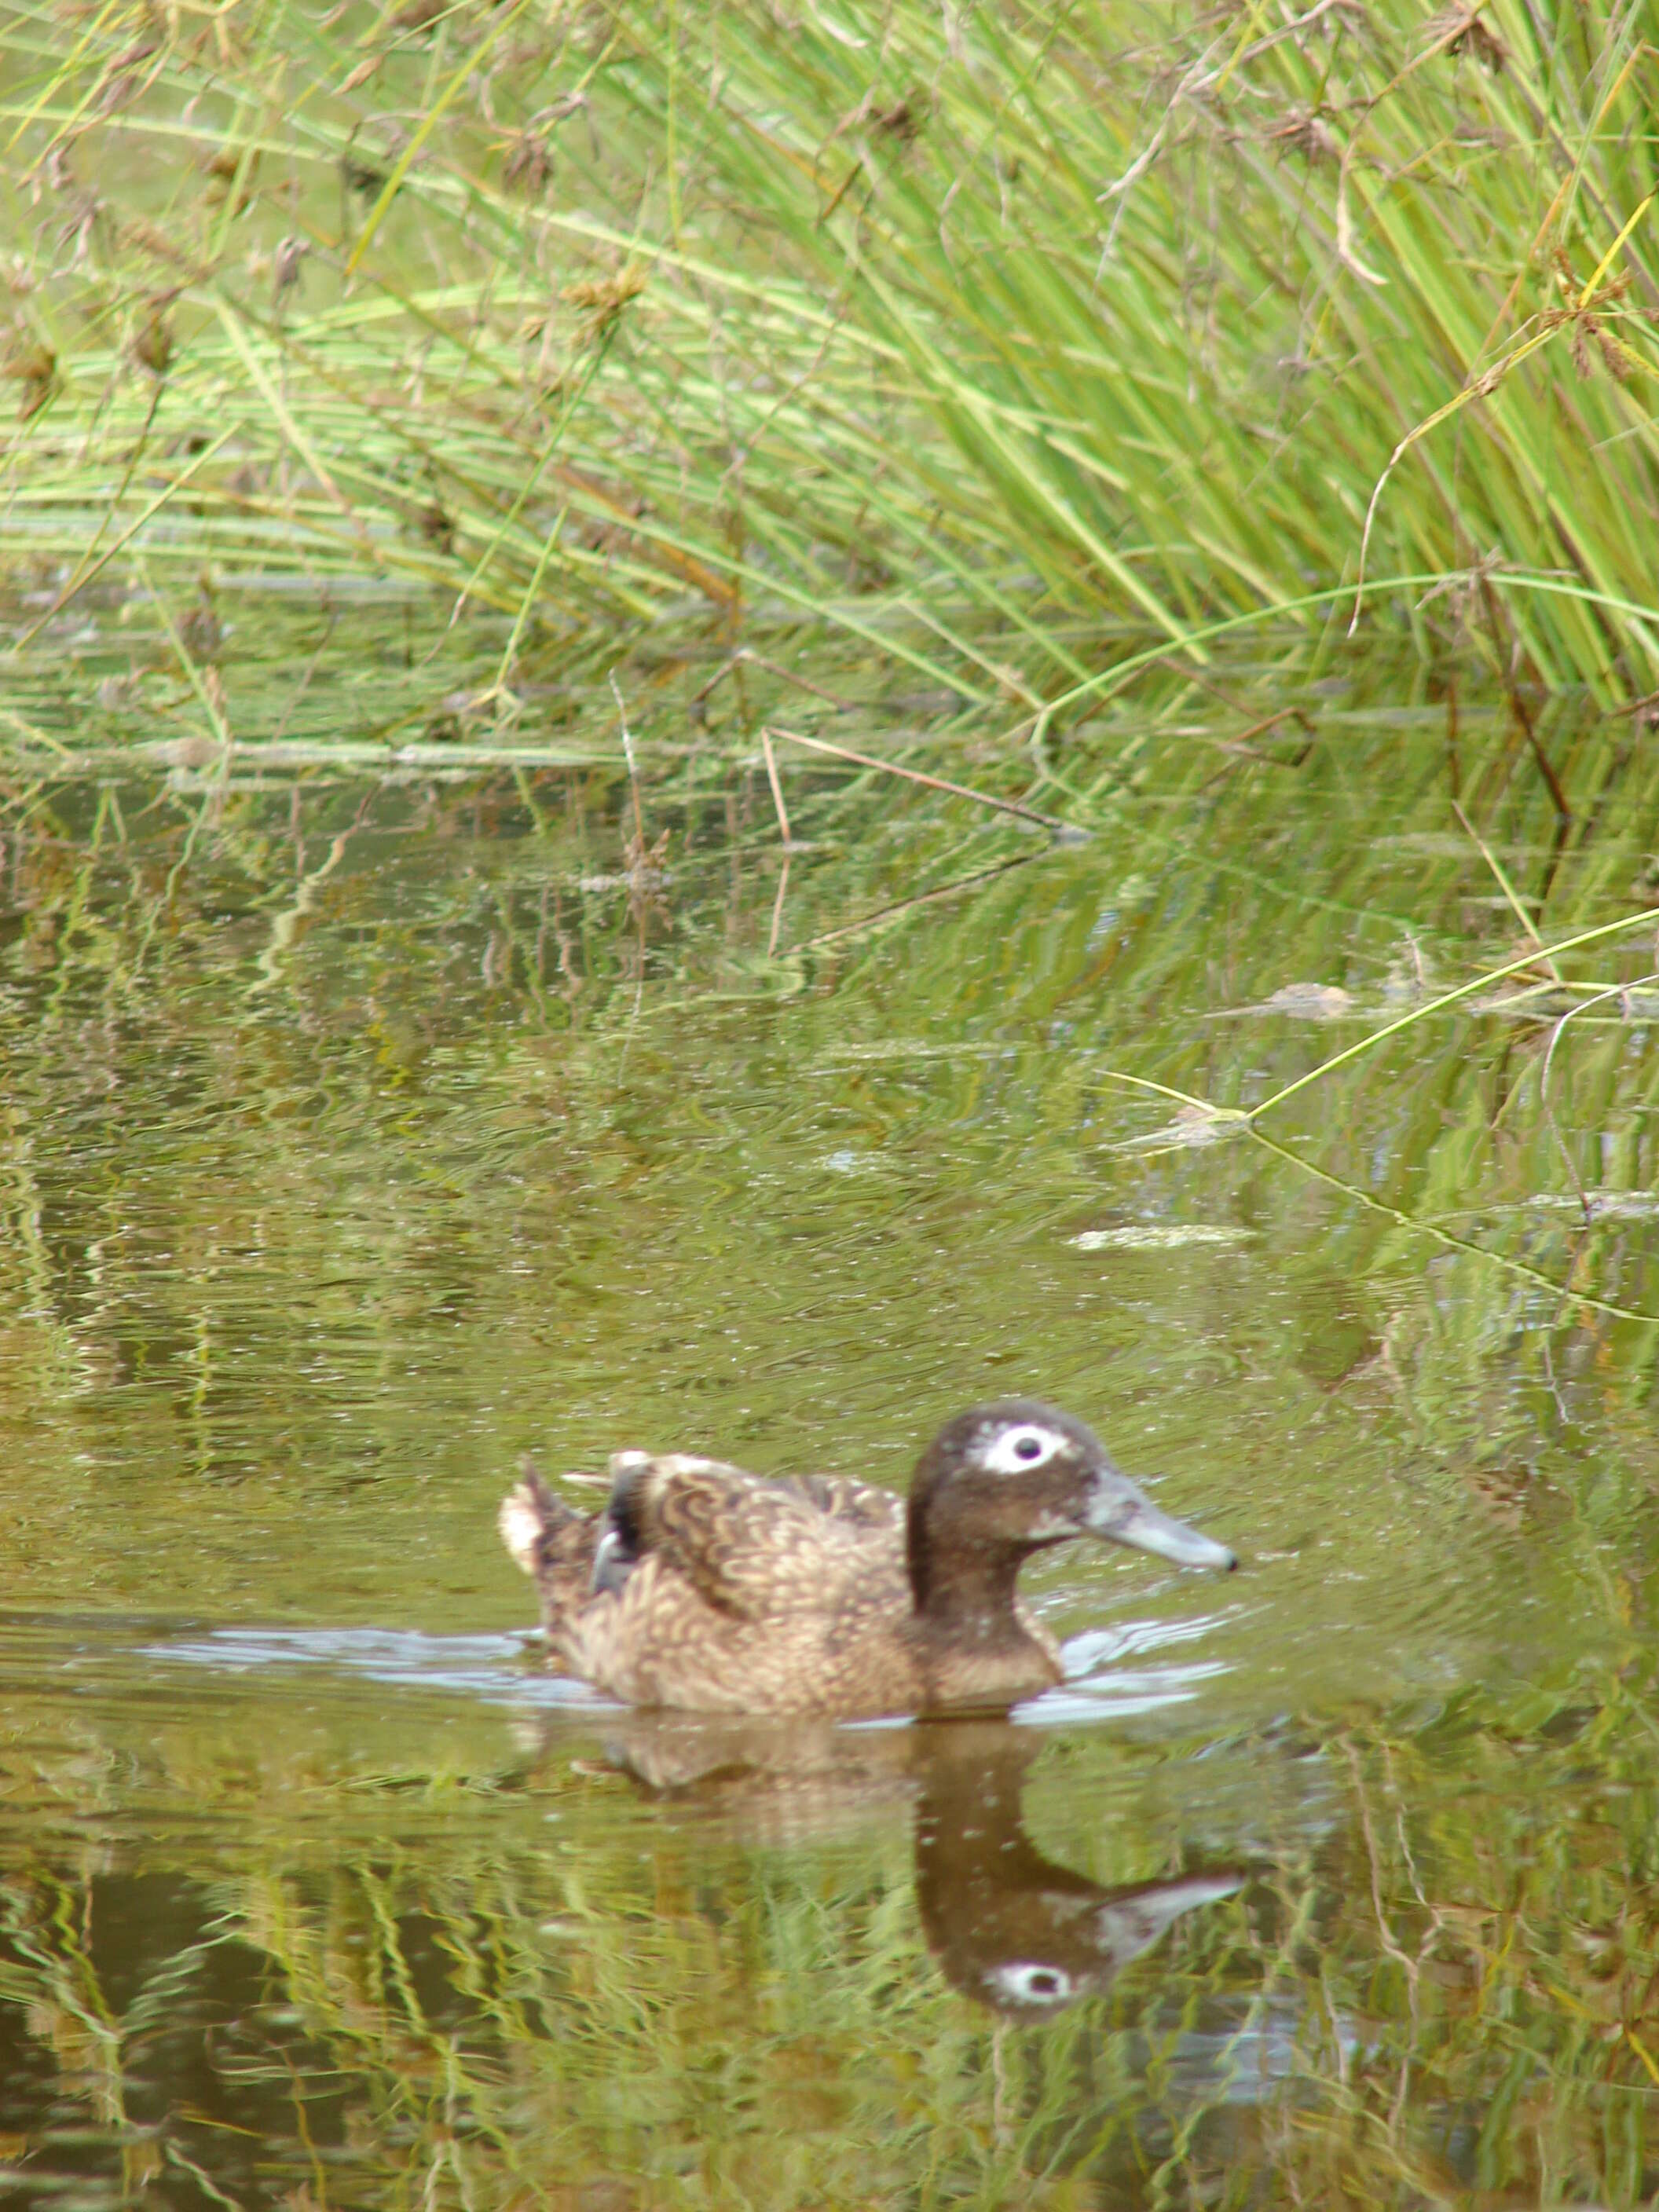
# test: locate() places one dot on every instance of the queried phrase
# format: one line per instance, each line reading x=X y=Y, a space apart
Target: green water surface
x=361 y=1133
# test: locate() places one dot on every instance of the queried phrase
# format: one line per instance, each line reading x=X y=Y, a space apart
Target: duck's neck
x=963 y=1586
x=975 y=1649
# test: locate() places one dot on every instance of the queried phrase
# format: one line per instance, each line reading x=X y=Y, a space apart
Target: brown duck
x=717 y=1591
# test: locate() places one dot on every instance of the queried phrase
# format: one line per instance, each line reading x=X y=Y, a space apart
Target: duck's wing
x=860 y=1503
x=755 y=1547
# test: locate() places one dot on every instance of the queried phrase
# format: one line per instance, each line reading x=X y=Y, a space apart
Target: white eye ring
x=1031 y=1981
x=1018 y=1451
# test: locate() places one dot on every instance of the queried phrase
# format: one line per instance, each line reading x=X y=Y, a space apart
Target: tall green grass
x=1177 y=291
x=987 y=340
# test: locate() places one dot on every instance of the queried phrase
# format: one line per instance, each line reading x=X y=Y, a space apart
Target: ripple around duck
x=80 y=1655
x=491 y=1667
x=1099 y=1687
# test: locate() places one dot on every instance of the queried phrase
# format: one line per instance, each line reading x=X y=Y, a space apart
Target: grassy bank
x=1005 y=343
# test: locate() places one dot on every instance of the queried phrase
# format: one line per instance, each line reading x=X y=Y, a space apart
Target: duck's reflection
x=1009 y=1926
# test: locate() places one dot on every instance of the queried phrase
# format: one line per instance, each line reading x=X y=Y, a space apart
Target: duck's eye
x=1015 y=1450
x=1028 y=1982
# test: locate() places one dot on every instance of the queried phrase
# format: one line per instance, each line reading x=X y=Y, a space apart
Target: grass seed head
x=603 y=299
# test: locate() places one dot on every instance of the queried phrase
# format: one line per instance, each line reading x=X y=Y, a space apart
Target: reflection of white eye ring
x=1021 y=1450
x=1031 y=1981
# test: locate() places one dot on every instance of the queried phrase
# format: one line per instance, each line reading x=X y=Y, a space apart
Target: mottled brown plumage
x=702 y=1587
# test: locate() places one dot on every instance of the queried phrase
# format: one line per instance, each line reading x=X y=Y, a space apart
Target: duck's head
x=1013 y=1478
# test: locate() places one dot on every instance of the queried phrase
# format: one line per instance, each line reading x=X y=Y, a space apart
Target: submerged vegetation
x=487 y=495
x=512 y=1978
x=1005 y=342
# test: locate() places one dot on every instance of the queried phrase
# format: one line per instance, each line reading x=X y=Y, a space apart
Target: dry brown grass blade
x=934 y=782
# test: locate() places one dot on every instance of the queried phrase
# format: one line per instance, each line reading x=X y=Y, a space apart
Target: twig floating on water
x=883 y=914
x=777 y=788
x=934 y=782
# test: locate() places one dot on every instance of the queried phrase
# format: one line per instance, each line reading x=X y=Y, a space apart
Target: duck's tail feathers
x=531 y=1519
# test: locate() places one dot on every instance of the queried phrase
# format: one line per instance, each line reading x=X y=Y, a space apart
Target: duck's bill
x=1122 y=1513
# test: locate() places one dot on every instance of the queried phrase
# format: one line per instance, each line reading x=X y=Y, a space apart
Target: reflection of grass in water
x=1446 y=1983
x=454 y=1011
x=346 y=1198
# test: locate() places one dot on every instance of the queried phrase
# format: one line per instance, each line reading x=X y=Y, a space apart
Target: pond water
x=364 y=1132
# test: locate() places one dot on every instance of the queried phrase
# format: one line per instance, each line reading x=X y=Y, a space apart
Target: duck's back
x=755 y=1546
x=742 y=1594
